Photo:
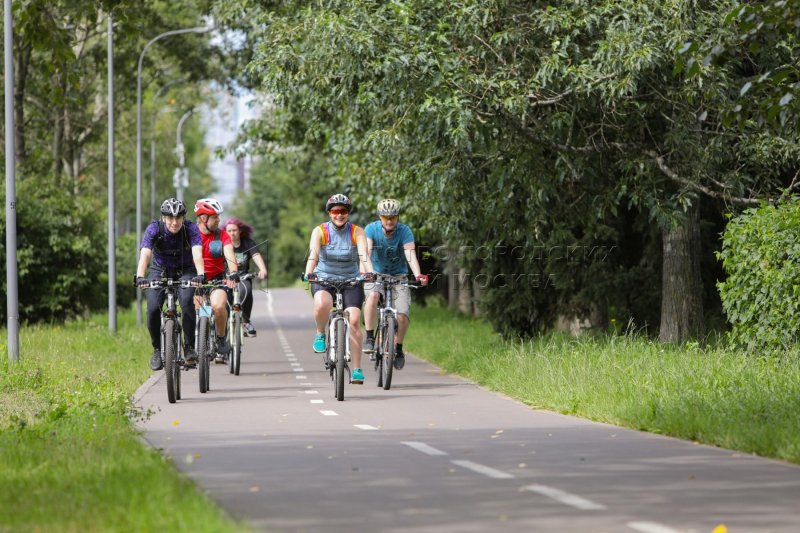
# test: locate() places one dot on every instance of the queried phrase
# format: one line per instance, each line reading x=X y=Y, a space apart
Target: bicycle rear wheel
x=387 y=347
x=171 y=368
x=340 y=349
x=379 y=356
x=202 y=353
x=236 y=343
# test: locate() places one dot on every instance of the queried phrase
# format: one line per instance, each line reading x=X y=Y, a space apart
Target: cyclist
x=175 y=247
x=391 y=248
x=245 y=250
x=217 y=251
x=338 y=249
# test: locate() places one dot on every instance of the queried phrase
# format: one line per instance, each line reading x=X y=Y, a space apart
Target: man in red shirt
x=217 y=249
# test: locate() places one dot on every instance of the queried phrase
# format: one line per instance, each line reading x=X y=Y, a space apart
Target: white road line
x=365 y=427
x=424 y=448
x=294 y=364
x=311 y=391
x=482 y=469
x=650 y=527
x=298 y=370
x=565 y=497
x=270 y=309
x=317 y=401
x=301 y=377
x=329 y=413
x=290 y=354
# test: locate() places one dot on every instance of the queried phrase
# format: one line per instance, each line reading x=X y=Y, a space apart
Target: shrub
x=761 y=255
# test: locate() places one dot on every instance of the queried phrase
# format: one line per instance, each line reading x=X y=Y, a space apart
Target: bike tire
x=340 y=352
x=170 y=361
x=178 y=357
x=202 y=353
x=379 y=358
x=236 y=344
x=388 y=353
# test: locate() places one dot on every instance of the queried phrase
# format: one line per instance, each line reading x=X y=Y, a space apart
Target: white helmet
x=389 y=207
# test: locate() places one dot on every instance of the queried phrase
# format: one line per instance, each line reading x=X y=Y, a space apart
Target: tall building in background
x=222 y=122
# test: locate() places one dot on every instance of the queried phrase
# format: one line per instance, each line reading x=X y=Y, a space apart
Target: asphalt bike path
x=275 y=449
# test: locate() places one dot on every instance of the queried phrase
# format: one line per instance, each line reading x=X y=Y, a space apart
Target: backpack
x=326 y=236
x=162 y=228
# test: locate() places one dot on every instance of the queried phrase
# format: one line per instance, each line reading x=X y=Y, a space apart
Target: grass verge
x=71 y=458
x=715 y=396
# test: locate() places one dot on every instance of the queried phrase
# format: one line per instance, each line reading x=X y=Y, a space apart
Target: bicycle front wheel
x=171 y=368
x=203 y=328
x=236 y=343
x=340 y=350
x=387 y=347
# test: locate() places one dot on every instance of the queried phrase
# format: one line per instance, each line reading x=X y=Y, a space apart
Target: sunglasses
x=339 y=211
x=389 y=218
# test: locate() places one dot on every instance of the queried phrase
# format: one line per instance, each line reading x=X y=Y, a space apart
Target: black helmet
x=172 y=207
x=338 y=199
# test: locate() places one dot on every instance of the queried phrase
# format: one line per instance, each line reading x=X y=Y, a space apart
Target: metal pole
x=200 y=29
x=112 y=241
x=153 y=148
x=181 y=152
x=12 y=293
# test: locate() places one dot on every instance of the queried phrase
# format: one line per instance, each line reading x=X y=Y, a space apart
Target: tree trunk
x=682 y=290
x=21 y=61
x=464 y=292
x=452 y=279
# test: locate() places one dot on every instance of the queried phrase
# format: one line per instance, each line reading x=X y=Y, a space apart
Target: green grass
x=714 y=395
x=71 y=459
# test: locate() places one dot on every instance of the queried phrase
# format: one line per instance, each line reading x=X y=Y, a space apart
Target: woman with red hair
x=246 y=249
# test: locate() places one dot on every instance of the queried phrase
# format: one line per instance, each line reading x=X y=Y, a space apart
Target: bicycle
x=387 y=327
x=235 y=325
x=205 y=342
x=171 y=335
x=337 y=333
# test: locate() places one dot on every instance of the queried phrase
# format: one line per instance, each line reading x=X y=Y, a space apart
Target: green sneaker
x=319 y=343
x=357 y=377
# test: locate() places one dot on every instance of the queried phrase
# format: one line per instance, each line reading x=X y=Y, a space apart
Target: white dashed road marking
x=317 y=401
x=365 y=427
x=329 y=413
x=482 y=469
x=565 y=497
x=424 y=448
x=650 y=527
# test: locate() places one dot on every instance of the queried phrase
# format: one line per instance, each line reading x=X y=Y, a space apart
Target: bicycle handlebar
x=165 y=283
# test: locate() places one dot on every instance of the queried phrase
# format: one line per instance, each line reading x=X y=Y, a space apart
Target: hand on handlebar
x=309 y=277
x=141 y=282
x=423 y=279
x=368 y=276
x=198 y=280
x=262 y=274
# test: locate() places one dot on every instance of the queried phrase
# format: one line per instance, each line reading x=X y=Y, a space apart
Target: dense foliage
x=539 y=126
x=761 y=255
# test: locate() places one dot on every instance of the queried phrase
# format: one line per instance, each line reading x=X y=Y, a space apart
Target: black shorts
x=351 y=296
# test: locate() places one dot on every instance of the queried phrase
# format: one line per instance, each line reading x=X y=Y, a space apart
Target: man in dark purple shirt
x=176 y=249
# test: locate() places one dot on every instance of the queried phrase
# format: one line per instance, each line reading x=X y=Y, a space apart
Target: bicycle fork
x=332 y=336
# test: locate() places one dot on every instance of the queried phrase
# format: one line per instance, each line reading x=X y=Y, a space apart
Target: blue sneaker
x=358 y=377
x=319 y=343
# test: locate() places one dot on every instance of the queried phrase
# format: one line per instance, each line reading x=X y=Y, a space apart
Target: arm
x=144 y=261
x=314 y=248
x=197 y=257
x=262 y=267
x=233 y=266
x=365 y=263
x=411 y=256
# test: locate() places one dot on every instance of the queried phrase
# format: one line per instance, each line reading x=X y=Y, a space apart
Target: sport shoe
x=369 y=345
x=358 y=377
x=399 y=359
x=249 y=330
x=189 y=355
x=223 y=346
x=319 y=343
x=155 y=362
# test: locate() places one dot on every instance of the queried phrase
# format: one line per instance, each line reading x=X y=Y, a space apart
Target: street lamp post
x=199 y=29
x=181 y=178
x=153 y=148
x=12 y=291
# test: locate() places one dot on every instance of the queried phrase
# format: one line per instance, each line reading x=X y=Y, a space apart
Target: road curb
x=144 y=387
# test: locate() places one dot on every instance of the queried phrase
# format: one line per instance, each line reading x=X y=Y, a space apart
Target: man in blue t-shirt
x=390 y=246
